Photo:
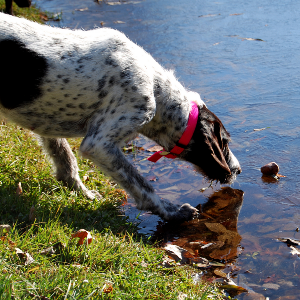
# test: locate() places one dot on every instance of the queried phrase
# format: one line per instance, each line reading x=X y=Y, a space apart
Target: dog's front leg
x=66 y=165
x=111 y=160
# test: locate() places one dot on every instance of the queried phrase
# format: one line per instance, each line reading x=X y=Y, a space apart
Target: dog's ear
x=217 y=153
x=217 y=144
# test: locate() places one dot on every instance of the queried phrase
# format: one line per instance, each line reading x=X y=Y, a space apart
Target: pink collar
x=184 y=140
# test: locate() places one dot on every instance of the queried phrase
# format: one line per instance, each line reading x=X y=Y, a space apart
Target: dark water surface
x=243 y=58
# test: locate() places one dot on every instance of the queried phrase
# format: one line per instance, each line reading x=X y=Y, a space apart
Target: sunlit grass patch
x=31 y=13
x=118 y=264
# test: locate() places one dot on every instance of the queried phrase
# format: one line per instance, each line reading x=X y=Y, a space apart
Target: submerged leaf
x=294 y=251
x=155 y=148
x=289 y=241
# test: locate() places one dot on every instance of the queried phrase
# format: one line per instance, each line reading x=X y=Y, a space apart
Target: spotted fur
x=99 y=85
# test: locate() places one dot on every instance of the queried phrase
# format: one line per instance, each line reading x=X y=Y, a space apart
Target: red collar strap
x=184 y=140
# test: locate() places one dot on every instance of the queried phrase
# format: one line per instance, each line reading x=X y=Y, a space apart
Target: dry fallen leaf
x=176 y=253
x=10 y=242
x=4 y=229
x=85 y=178
x=107 y=289
x=32 y=214
x=82 y=234
x=25 y=257
x=19 y=190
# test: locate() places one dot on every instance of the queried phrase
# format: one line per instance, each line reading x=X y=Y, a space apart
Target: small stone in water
x=270 y=169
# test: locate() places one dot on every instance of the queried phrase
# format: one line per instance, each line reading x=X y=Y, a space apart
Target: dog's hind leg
x=108 y=156
x=65 y=164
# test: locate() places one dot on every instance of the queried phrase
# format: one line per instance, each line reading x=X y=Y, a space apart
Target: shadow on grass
x=65 y=206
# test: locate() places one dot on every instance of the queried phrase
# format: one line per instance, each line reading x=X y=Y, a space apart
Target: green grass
x=118 y=264
x=31 y=13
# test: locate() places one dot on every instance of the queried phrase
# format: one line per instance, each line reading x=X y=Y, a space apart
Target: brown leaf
x=19 y=190
x=234 y=288
x=176 y=253
x=107 y=289
x=4 y=229
x=220 y=273
x=32 y=214
x=10 y=242
x=82 y=234
x=25 y=257
x=85 y=178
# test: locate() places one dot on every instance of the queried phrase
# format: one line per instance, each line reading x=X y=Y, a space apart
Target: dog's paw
x=186 y=212
x=92 y=194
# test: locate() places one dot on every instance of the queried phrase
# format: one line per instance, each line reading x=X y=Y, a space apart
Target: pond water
x=243 y=57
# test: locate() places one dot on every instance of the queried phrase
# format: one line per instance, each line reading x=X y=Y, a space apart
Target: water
x=243 y=58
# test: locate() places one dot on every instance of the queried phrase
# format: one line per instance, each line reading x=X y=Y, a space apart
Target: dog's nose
x=239 y=171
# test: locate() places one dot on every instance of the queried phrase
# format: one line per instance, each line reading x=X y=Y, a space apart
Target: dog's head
x=209 y=150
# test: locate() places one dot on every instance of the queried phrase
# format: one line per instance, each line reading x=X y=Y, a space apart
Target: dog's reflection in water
x=214 y=234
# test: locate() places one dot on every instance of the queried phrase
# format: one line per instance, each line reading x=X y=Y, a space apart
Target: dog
x=20 y=3
x=99 y=85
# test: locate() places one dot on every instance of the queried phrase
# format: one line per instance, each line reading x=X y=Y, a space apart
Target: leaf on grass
x=10 y=242
x=33 y=269
x=181 y=296
x=183 y=256
x=155 y=148
x=32 y=214
x=25 y=257
x=85 y=178
x=82 y=234
x=53 y=249
x=19 y=189
x=107 y=289
x=4 y=229
x=176 y=253
x=48 y=251
x=289 y=241
x=167 y=262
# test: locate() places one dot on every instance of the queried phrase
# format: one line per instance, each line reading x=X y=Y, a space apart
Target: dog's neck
x=173 y=104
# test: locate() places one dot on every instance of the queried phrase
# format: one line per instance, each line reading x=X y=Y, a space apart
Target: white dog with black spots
x=97 y=84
